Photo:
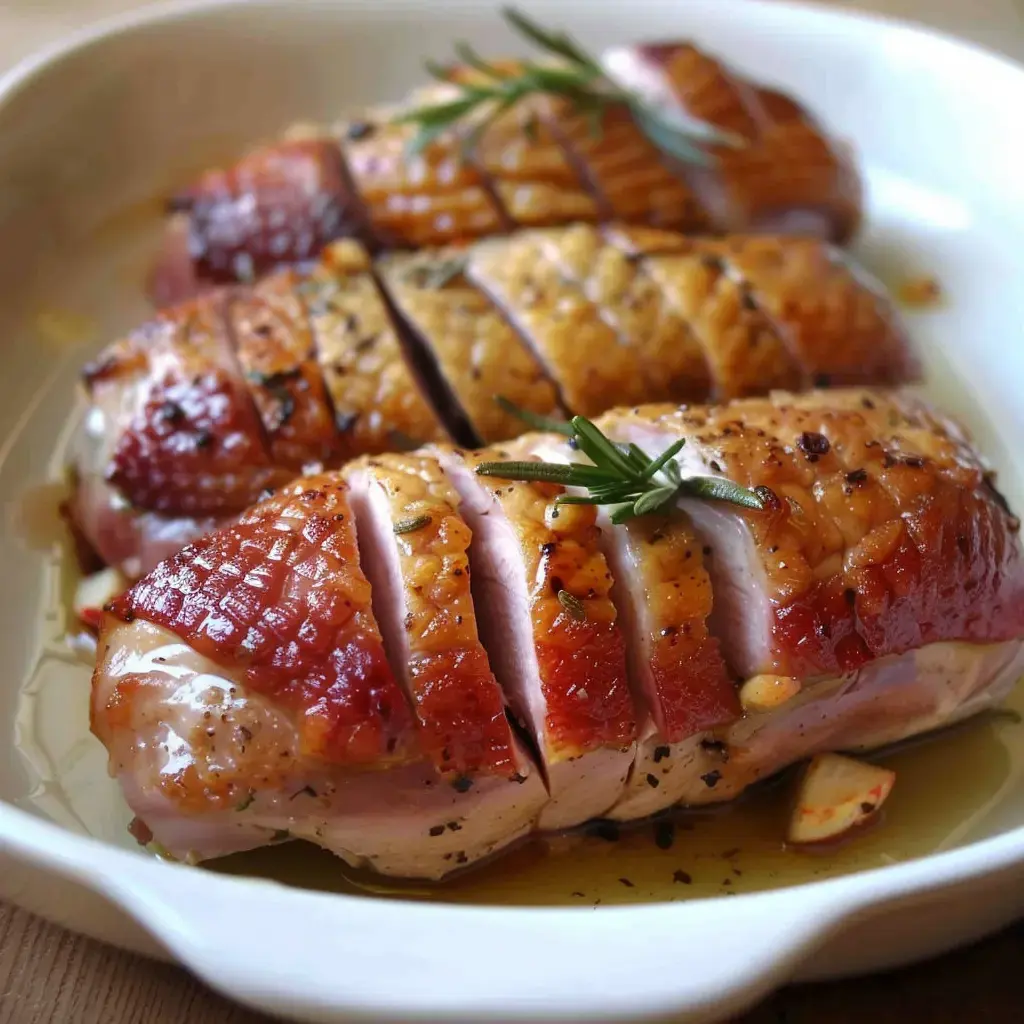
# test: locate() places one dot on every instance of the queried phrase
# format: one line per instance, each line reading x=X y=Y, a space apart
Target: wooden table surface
x=49 y=975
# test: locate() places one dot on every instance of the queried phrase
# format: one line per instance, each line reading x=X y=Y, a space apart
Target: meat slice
x=662 y=592
x=540 y=163
x=836 y=320
x=244 y=696
x=377 y=404
x=279 y=204
x=412 y=199
x=179 y=434
x=628 y=173
x=415 y=548
x=781 y=174
x=542 y=588
x=744 y=350
x=469 y=345
x=884 y=534
x=547 y=318
x=668 y=357
x=525 y=162
x=272 y=337
x=581 y=353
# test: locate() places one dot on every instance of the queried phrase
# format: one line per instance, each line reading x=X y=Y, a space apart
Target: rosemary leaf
x=411 y=524
x=623 y=513
x=570 y=475
x=555 y=42
x=716 y=489
x=664 y=458
x=576 y=76
x=667 y=139
x=472 y=59
x=599 y=449
x=533 y=419
x=654 y=501
x=573 y=605
x=440 y=114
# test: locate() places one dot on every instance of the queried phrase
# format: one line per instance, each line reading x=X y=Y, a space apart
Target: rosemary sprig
x=533 y=419
x=625 y=477
x=577 y=77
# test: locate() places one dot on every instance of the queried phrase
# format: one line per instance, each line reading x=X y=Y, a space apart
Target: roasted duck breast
x=195 y=413
x=413 y=665
x=540 y=163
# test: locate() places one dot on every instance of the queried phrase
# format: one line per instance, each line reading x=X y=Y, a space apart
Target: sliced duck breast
x=415 y=548
x=371 y=383
x=244 y=696
x=467 y=341
x=680 y=685
x=668 y=359
x=413 y=199
x=280 y=204
x=883 y=702
x=275 y=348
x=581 y=353
x=176 y=428
x=542 y=590
x=802 y=590
x=775 y=150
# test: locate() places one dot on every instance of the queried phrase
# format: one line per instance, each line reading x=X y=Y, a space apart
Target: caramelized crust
x=628 y=173
x=526 y=164
x=377 y=405
x=691 y=690
x=471 y=345
x=580 y=352
x=458 y=704
x=280 y=597
x=428 y=198
x=580 y=653
x=668 y=358
x=279 y=204
x=744 y=352
x=184 y=438
x=540 y=163
x=780 y=174
x=275 y=348
x=887 y=533
x=837 y=322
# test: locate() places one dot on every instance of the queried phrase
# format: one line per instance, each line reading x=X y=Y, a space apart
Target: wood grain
x=48 y=976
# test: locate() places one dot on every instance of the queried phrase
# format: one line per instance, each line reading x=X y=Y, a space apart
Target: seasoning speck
x=682 y=877
x=664 y=835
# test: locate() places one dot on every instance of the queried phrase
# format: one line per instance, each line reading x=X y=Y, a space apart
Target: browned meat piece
x=246 y=694
x=783 y=174
x=415 y=548
x=275 y=348
x=886 y=534
x=377 y=404
x=543 y=586
x=468 y=348
x=279 y=204
x=538 y=164
x=572 y=319
x=245 y=699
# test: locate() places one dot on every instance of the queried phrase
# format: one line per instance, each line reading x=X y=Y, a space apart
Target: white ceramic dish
x=92 y=131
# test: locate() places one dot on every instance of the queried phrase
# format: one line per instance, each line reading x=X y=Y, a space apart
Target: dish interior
x=56 y=310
